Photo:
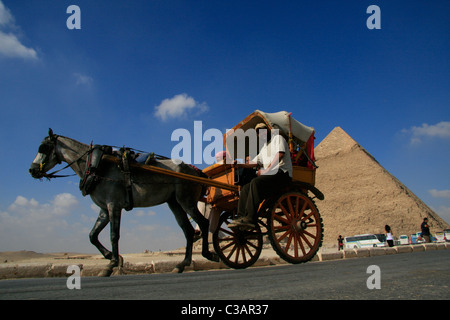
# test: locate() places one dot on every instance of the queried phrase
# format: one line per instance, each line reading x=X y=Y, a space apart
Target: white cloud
x=6 y=17
x=178 y=106
x=82 y=79
x=31 y=211
x=63 y=224
x=440 y=193
x=439 y=130
x=10 y=45
x=64 y=201
x=143 y=213
x=444 y=213
x=29 y=225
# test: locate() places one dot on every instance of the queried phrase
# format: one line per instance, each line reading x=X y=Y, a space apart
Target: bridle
x=46 y=148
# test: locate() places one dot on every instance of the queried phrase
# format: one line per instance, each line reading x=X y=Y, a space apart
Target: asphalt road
x=418 y=275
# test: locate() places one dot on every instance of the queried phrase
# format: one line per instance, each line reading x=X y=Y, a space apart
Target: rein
x=53 y=174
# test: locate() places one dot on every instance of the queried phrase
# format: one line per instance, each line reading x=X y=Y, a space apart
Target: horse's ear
x=50 y=132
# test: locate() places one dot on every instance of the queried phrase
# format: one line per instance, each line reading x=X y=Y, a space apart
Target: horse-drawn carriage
x=289 y=218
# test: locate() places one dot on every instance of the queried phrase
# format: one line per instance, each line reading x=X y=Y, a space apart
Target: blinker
x=44 y=149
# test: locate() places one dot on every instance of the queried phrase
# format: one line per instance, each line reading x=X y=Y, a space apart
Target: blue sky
x=138 y=70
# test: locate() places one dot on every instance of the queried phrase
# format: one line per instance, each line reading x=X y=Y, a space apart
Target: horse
x=110 y=194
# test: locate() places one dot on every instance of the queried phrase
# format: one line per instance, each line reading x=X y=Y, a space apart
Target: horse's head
x=46 y=157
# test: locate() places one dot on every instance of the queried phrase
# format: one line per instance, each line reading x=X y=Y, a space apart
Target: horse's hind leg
x=203 y=224
x=183 y=222
x=100 y=224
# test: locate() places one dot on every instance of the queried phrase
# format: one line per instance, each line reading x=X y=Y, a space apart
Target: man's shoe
x=241 y=223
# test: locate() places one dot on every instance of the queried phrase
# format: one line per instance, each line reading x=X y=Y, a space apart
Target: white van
x=447 y=235
x=403 y=239
x=362 y=241
x=440 y=237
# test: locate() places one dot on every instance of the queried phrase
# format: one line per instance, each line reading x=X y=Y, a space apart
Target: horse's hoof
x=118 y=271
x=211 y=256
x=215 y=257
x=177 y=270
x=106 y=272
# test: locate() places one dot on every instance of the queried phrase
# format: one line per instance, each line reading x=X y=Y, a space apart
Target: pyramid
x=361 y=196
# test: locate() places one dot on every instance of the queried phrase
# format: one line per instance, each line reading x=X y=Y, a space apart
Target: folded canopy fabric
x=284 y=122
x=278 y=120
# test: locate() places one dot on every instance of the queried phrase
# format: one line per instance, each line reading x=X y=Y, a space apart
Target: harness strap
x=90 y=178
x=53 y=175
x=128 y=182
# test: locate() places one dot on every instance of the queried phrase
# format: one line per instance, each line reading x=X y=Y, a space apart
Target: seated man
x=245 y=175
x=276 y=173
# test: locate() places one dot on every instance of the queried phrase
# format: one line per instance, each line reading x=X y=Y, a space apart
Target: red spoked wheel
x=237 y=248
x=295 y=227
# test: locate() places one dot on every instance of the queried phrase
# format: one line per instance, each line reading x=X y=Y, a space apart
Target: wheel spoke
x=228 y=245
x=281 y=219
x=297 y=201
x=230 y=238
x=284 y=235
x=232 y=251
x=309 y=234
x=301 y=245
x=291 y=209
x=236 y=260
x=295 y=245
x=286 y=213
x=243 y=249
x=288 y=244
x=303 y=208
x=281 y=228
x=307 y=216
x=251 y=244
x=306 y=240
x=227 y=231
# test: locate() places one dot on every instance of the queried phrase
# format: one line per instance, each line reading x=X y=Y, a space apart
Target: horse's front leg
x=114 y=219
x=100 y=224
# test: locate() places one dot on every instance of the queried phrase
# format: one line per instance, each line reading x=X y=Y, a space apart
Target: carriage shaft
x=180 y=175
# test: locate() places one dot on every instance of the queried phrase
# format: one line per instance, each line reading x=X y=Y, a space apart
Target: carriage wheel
x=295 y=227
x=237 y=248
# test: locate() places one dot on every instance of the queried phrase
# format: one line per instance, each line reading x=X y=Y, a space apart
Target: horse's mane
x=73 y=143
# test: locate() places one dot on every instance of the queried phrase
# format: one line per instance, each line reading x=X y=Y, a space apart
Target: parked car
x=416 y=238
x=447 y=235
x=440 y=237
x=420 y=239
x=382 y=238
x=403 y=239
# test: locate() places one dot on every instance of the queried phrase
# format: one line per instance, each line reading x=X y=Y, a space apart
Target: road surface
x=418 y=275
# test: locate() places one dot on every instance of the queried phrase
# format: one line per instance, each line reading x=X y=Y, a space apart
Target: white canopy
x=278 y=120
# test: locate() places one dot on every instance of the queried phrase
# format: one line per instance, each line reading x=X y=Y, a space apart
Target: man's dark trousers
x=260 y=188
